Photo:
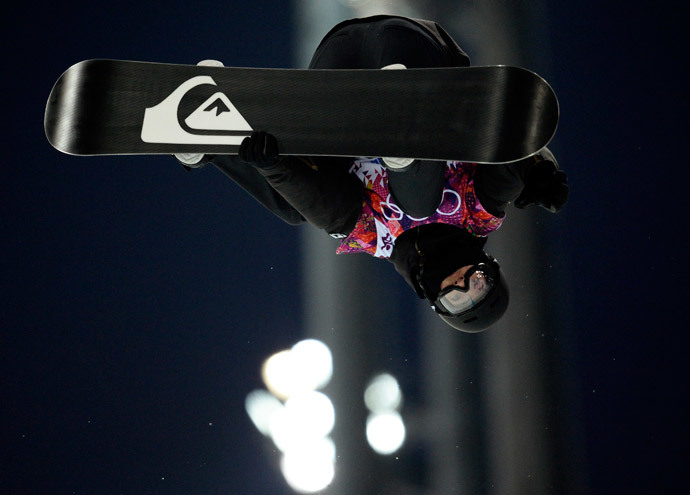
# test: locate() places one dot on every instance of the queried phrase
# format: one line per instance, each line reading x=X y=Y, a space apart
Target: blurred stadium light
x=296 y=416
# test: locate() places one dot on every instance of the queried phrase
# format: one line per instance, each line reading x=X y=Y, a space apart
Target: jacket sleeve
x=498 y=185
x=321 y=190
x=250 y=180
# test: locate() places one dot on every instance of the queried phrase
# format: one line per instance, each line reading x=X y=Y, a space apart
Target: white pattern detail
x=443 y=200
x=384 y=240
x=389 y=205
x=369 y=170
x=217 y=114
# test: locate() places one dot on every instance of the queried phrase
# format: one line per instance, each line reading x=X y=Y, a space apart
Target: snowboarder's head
x=448 y=267
x=471 y=298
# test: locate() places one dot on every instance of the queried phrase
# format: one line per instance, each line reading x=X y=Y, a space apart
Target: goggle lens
x=478 y=284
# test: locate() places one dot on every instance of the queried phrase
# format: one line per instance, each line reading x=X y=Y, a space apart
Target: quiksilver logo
x=217 y=113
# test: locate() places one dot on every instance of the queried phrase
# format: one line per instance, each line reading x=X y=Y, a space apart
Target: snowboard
x=484 y=114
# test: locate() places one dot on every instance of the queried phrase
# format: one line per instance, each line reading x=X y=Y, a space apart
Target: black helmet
x=457 y=307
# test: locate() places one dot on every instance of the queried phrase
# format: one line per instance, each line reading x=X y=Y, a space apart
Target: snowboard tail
x=492 y=114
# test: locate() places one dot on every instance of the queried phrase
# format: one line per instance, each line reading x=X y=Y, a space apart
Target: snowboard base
x=492 y=114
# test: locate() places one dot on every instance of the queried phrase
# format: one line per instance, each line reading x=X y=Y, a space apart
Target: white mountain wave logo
x=217 y=113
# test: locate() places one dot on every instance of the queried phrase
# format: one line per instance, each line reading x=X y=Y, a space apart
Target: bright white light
x=385 y=432
x=316 y=361
x=299 y=427
x=313 y=412
x=305 y=417
x=307 y=366
x=261 y=406
x=310 y=466
x=383 y=394
x=280 y=430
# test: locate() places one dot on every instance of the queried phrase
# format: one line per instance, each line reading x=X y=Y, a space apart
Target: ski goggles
x=479 y=282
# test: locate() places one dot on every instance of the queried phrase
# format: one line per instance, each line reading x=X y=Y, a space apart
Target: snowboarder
x=430 y=219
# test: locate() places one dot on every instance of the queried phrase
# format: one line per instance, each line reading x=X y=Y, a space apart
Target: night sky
x=622 y=133
x=133 y=310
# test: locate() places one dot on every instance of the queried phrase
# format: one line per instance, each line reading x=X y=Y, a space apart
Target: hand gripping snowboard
x=492 y=114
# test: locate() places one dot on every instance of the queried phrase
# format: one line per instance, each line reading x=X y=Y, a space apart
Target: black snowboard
x=491 y=114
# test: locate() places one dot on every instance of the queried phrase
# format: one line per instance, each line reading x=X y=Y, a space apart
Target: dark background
x=132 y=312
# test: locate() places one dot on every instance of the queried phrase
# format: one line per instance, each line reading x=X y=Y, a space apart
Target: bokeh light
x=385 y=432
x=383 y=393
x=307 y=366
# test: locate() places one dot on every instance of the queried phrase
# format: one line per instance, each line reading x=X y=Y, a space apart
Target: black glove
x=545 y=186
x=260 y=149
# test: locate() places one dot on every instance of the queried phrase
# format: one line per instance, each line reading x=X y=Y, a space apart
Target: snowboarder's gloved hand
x=260 y=149
x=545 y=185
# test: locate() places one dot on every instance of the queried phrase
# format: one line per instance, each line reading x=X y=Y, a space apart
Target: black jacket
x=322 y=192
